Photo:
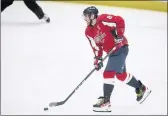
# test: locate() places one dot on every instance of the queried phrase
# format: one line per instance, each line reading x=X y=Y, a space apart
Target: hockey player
x=104 y=32
x=31 y=4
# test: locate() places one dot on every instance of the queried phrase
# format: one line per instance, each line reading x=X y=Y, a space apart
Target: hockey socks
x=133 y=82
x=107 y=89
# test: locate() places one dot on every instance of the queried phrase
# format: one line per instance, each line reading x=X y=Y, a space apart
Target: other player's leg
x=5 y=4
x=36 y=9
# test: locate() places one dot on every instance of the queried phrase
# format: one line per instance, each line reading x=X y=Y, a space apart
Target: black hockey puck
x=45 y=109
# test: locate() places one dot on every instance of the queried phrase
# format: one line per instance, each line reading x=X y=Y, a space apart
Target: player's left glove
x=117 y=39
x=98 y=63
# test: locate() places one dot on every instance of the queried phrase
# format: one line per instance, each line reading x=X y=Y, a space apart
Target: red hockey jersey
x=100 y=36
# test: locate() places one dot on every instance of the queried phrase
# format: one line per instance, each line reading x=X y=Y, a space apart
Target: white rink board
x=45 y=62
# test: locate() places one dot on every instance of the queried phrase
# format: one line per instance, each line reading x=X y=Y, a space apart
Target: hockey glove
x=98 y=63
x=117 y=39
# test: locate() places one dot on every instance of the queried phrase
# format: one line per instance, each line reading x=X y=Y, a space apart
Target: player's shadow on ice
x=22 y=23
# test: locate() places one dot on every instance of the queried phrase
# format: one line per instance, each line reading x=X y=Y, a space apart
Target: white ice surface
x=43 y=62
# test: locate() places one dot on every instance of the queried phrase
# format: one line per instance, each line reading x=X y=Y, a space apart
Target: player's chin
x=88 y=23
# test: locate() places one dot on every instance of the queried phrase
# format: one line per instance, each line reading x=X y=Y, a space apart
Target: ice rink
x=43 y=62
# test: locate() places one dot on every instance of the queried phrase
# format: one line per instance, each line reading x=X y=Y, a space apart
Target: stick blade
x=53 y=104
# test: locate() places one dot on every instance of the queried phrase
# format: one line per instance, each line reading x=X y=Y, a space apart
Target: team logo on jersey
x=99 y=37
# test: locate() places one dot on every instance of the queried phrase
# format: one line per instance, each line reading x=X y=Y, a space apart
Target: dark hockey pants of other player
x=31 y=4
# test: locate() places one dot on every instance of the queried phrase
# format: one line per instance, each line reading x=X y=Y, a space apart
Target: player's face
x=87 y=19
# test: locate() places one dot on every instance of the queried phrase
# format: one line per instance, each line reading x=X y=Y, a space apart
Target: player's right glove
x=98 y=63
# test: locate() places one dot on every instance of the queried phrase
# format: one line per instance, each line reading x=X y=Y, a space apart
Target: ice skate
x=142 y=93
x=102 y=105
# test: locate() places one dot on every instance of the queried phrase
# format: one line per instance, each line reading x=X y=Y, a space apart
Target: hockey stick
x=52 y=104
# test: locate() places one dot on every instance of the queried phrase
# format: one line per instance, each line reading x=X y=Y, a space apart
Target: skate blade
x=102 y=111
x=105 y=109
x=147 y=93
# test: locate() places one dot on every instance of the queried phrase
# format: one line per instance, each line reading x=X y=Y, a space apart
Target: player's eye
x=85 y=17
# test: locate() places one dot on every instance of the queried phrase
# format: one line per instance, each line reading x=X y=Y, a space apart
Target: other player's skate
x=142 y=92
x=102 y=105
x=46 y=18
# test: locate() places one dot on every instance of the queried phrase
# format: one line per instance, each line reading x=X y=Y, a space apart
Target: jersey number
x=109 y=17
